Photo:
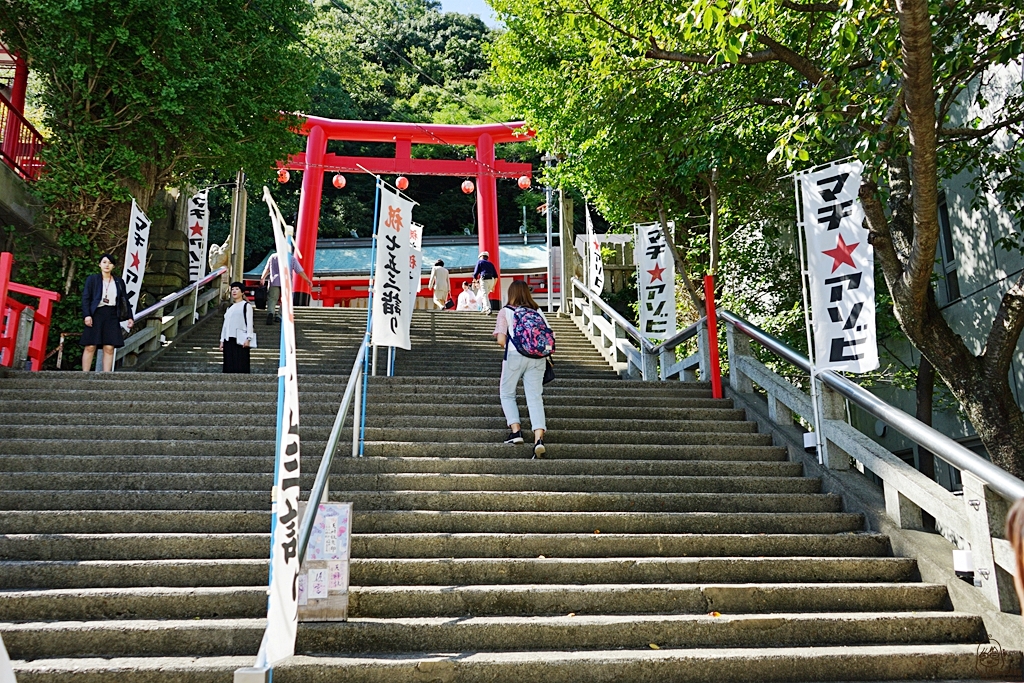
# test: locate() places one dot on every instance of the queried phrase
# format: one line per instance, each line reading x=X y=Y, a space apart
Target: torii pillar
x=316 y=162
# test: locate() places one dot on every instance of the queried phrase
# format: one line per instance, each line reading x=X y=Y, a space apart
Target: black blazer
x=93 y=293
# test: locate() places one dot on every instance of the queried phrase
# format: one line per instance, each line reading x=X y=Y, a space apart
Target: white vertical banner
x=6 y=670
x=391 y=299
x=415 y=266
x=416 y=236
x=198 y=228
x=656 y=281
x=841 y=268
x=135 y=255
x=283 y=603
x=596 y=270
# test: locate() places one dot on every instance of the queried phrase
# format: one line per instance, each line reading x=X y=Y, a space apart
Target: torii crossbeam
x=315 y=162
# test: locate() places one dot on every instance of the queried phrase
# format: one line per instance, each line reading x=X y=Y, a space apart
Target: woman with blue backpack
x=523 y=331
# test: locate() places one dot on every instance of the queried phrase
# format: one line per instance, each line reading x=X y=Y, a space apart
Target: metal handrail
x=181 y=293
x=679 y=337
x=320 y=483
x=614 y=315
x=998 y=479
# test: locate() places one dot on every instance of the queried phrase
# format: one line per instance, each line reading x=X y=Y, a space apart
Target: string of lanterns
x=402 y=183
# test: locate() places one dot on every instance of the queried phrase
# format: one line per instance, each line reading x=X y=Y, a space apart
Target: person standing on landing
x=273 y=271
x=488 y=276
x=440 y=283
x=516 y=366
x=236 y=332
x=100 y=298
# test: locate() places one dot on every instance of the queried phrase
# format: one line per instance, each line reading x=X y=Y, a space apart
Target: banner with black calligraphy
x=283 y=603
x=841 y=268
x=596 y=263
x=391 y=299
x=197 y=228
x=656 y=281
x=135 y=255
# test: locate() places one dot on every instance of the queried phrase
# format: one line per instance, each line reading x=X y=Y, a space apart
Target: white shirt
x=439 y=279
x=467 y=302
x=237 y=318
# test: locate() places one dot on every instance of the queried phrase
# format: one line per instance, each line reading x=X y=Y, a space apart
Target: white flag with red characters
x=656 y=281
x=841 y=268
x=135 y=255
x=392 y=304
x=197 y=228
x=596 y=269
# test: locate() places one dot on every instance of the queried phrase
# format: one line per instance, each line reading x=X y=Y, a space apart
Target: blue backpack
x=530 y=333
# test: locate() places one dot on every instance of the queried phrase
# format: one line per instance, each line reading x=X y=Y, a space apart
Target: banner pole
x=808 y=323
x=369 y=319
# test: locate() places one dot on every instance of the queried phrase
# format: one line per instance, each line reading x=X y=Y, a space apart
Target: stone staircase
x=662 y=539
x=445 y=343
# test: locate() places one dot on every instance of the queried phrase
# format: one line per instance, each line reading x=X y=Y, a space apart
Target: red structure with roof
x=316 y=161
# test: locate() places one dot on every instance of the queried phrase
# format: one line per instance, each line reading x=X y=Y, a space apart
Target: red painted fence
x=20 y=142
x=10 y=317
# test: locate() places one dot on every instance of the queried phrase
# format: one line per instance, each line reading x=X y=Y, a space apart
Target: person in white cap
x=488 y=276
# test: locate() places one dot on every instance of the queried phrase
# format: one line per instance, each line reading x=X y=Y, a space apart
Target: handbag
x=124 y=309
x=549 y=371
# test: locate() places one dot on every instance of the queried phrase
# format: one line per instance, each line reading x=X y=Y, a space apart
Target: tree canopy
x=916 y=90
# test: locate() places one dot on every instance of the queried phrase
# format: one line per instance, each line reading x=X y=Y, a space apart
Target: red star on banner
x=135 y=259
x=656 y=273
x=196 y=229
x=843 y=253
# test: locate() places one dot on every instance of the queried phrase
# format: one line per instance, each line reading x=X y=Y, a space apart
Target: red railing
x=10 y=317
x=20 y=142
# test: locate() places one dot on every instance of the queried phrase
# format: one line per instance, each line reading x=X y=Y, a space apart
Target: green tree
x=139 y=96
x=900 y=85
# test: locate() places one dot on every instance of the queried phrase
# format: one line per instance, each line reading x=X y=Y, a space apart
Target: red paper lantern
x=338 y=181
x=283 y=176
x=401 y=182
x=524 y=182
x=467 y=186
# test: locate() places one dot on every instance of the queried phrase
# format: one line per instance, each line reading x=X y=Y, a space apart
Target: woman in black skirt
x=100 y=298
x=236 y=334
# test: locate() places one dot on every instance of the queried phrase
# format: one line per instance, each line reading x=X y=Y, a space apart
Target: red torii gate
x=316 y=161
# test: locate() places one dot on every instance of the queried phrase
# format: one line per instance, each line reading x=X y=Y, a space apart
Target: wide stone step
x=248 y=481
x=39 y=574
x=581 y=632
x=377 y=419
x=424 y=521
x=32 y=547
x=328 y=405
x=497 y=600
x=597 y=545
x=320 y=433
x=907 y=663
x=407 y=449
x=514 y=501
x=331 y=395
x=551 y=599
x=378 y=465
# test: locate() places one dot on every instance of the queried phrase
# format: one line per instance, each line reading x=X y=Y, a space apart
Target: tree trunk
x=680 y=262
x=713 y=237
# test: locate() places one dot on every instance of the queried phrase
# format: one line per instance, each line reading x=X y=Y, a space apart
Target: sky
x=477 y=7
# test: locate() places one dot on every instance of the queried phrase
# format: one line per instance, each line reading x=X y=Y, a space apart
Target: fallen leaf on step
x=540 y=557
x=653 y=646
x=597 y=531
x=572 y=614
x=714 y=614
